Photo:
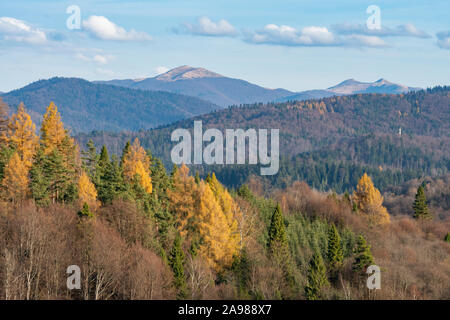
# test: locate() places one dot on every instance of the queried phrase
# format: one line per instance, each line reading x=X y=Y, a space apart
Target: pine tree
x=370 y=202
x=420 y=206
x=176 y=262
x=16 y=182
x=21 y=135
x=335 y=252
x=363 y=255
x=317 y=278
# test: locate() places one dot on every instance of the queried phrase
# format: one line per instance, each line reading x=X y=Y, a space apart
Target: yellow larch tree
x=16 y=181
x=87 y=192
x=228 y=205
x=182 y=200
x=370 y=202
x=136 y=161
x=219 y=243
x=21 y=134
x=53 y=134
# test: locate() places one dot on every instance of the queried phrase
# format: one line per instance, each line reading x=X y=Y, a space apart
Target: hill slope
x=87 y=106
x=329 y=142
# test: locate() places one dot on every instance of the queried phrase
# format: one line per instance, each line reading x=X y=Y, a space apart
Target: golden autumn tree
x=137 y=162
x=370 y=202
x=21 y=134
x=87 y=192
x=219 y=242
x=15 y=184
x=228 y=205
x=182 y=200
x=53 y=133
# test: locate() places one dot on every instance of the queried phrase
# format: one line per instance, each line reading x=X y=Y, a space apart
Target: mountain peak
x=187 y=72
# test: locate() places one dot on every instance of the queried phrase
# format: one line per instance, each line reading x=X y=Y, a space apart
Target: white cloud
x=15 y=30
x=102 y=28
x=404 y=30
x=206 y=27
x=161 y=69
x=443 y=39
x=97 y=58
x=289 y=36
x=311 y=36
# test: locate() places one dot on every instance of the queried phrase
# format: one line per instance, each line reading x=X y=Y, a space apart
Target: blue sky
x=293 y=44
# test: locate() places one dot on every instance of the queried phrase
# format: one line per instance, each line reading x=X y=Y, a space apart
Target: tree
x=53 y=133
x=447 y=237
x=277 y=243
x=363 y=255
x=370 y=202
x=4 y=108
x=219 y=243
x=87 y=193
x=420 y=206
x=317 y=278
x=21 y=135
x=176 y=262
x=335 y=253
x=181 y=197
x=90 y=159
x=137 y=162
x=16 y=181
x=85 y=211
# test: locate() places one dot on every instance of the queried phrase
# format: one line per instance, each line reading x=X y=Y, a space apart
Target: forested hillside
x=329 y=142
x=86 y=106
x=139 y=232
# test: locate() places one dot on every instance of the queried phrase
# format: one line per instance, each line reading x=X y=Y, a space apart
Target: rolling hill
x=87 y=106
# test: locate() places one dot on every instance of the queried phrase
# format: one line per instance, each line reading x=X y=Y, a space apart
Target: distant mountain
x=350 y=86
x=87 y=106
x=206 y=85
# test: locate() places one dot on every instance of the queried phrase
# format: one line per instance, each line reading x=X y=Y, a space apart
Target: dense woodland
x=139 y=231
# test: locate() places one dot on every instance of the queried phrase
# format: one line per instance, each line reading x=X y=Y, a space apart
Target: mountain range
x=224 y=91
x=178 y=94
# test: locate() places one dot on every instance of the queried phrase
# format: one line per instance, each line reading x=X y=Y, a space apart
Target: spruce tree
x=335 y=252
x=363 y=255
x=317 y=278
x=420 y=205
x=90 y=159
x=176 y=262
x=85 y=212
x=125 y=151
x=277 y=233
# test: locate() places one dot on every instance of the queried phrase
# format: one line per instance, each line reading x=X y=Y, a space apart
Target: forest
x=139 y=231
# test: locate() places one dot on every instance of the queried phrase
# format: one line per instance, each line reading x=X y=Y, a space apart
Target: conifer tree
x=90 y=159
x=370 y=202
x=16 y=182
x=363 y=255
x=447 y=237
x=176 y=262
x=317 y=278
x=85 y=212
x=219 y=241
x=125 y=151
x=87 y=192
x=335 y=252
x=111 y=185
x=52 y=130
x=104 y=157
x=137 y=162
x=4 y=108
x=277 y=234
x=21 y=135
x=420 y=206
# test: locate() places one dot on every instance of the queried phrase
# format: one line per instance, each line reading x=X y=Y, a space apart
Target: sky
x=292 y=44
